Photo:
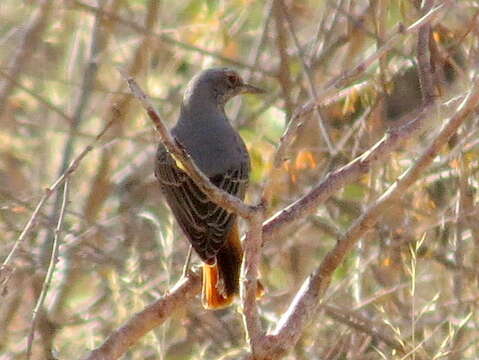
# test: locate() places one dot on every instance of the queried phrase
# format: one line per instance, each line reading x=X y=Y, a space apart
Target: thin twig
x=309 y=76
x=186 y=266
x=51 y=268
x=426 y=77
x=254 y=57
x=284 y=73
x=342 y=79
x=6 y=267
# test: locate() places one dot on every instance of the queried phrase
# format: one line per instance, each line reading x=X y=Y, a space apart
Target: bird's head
x=218 y=85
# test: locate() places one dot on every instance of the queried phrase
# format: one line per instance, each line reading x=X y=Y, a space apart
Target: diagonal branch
x=6 y=269
x=335 y=180
x=306 y=301
x=146 y=320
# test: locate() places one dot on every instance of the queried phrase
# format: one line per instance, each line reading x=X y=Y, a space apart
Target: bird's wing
x=205 y=224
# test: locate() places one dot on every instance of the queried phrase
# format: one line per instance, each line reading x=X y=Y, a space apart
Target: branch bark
x=146 y=320
x=306 y=301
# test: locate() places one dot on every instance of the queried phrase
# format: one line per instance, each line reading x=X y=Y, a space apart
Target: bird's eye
x=233 y=80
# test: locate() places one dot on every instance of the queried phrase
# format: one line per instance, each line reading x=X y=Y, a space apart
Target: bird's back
x=212 y=142
x=220 y=153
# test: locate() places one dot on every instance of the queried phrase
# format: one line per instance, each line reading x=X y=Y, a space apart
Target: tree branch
x=146 y=320
x=426 y=78
x=306 y=205
x=306 y=301
x=248 y=288
x=6 y=269
x=322 y=97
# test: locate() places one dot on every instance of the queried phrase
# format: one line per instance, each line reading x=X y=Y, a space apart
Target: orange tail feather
x=221 y=280
x=214 y=296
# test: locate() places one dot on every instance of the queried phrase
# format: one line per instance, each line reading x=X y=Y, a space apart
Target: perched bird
x=204 y=130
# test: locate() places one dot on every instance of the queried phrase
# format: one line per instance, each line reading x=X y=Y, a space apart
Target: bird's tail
x=221 y=280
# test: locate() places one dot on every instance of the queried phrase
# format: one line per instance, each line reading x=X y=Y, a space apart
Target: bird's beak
x=250 y=89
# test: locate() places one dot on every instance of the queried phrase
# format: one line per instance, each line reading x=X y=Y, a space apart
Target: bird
x=205 y=132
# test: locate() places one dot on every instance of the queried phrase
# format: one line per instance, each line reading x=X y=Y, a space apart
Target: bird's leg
x=187 y=262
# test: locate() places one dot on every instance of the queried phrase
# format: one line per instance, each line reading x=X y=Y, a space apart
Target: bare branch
x=6 y=268
x=50 y=271
x=146 y=320
x=414 y=125
x=249 y=274
x=426 y=77
x=306 y=301
x=343 y=79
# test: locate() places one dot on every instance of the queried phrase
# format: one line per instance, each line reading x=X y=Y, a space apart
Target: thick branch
x=249 y=275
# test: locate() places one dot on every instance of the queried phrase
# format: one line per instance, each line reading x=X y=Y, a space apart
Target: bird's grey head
x=217 y=85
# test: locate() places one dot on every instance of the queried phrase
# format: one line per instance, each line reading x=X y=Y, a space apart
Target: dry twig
x=8 y=269
x=50 y=271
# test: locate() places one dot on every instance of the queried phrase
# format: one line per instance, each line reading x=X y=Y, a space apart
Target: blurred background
x=411 y=283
